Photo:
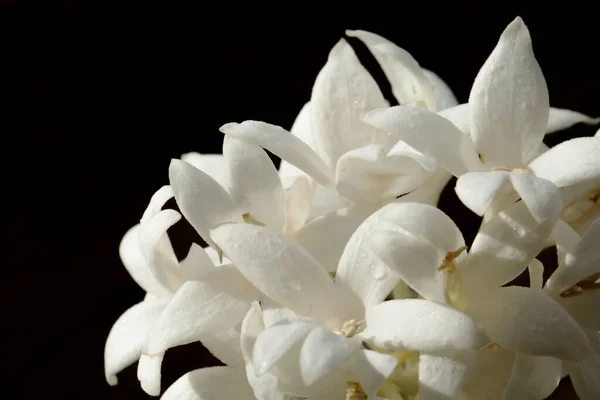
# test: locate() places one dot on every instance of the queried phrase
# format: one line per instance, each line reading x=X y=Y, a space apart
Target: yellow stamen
x=585 y=285
x=490 y=345
x=249 y=219
x=354 y=391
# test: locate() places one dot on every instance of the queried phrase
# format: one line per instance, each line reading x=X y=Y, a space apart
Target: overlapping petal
x=214 y=383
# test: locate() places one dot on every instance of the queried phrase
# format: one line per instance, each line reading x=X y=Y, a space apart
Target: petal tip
x=228 y=127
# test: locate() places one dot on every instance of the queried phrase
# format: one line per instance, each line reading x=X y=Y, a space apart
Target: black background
x=97 y=102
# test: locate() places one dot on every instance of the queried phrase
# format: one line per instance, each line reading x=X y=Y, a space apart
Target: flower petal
x=212 y=165
x=276 y=341
x=528 y=321
x=157 y=201
x=214 y=383
x=420 y=325
x=410 y=84
x=156 y=248
x=561 y=118
x=263 y=386
x=326 y=237
x=584 y=374
x=371 y=369
x=417 y=250
x=322 y=351
x=571 y=162
x=477 y=190
x=202 y=201
x=302 y=129
x=368 y=174
x=282 y=270
x=505 y=246
x=579 y=263
x=533 y=377
x=297 y=202
x=536 y=274
x=343 y=92
x=218 y=302
x=429 y=133
x=252 y=326
x=540 y=195
x=127 y=336
x=225 y=346
x=284 y=145
x=508 y=104
x=137 y=265
x=197 y=263
x=441 y=375
x=148 y=373
x=444 y=98
x=254 y=183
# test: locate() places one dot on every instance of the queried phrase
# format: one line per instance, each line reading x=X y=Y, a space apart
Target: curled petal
x=441 y=375
x=254 y=183
x=127 y=336
x=218 y=302
x=508 y=104
x=429 y=133
x=214 y=383
x=148 y=373
x=284 y=145
x=560 y=118
x=225 y=346
x=530 y=322
x=420 y=325
x=302 y=129
x=371 y=369
x=212 y=165
x=410 y=83
x=444 y=98
x=571 y=162
x=343 y=92
x=203 y=202
x=477 y=190
x=282 y=270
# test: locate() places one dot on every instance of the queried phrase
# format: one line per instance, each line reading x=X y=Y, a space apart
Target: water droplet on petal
x=377 y=271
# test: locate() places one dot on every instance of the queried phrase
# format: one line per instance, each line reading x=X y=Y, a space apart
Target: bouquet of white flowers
x=337 y=277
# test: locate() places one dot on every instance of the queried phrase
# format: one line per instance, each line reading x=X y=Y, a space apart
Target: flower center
x=453 y=280
x=588 y=284
x=350 y=328
x=354 y=391
x=519 y=170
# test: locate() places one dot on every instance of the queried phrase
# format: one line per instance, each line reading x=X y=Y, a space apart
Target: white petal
x=197 y=263
x=369 y=174
x=214 y=383
x=322 y=351
x=297 y=201
x=371 y=369
x=579 y=263
x=409 y=82
x=254 y=183
x=273 y=313
x=459 y=116
x=441 y=375
x=343 y=92
x=325 y=201
x=561 y=118
x=137 y=265
x=263 y=386
x=536 y=274
x=148 y=373
x=202 y=201
x=477 y=190
x=127 y=336
x=490 y=374
x=283 y=144
x=571 y=162
x=444 y=98
x=302 y=129
x=420 y=325
x=252 y=326
x=540 y=195
x=280 y=269
x=429 y=133
x=508 y=104
x=533 y=377
x=431 y=190
x=157 y=201
x=584 y=375
x=225 y=346
x=418 y=249
x=212 y=165
x=275 y=342
x=505 y=246
x=220 y=301
x=528 y=321
x=325 y=237
x=157 y=250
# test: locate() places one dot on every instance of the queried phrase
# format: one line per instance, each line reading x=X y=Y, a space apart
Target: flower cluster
x=337 y=277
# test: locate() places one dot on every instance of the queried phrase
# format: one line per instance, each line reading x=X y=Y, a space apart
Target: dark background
x=97 y=102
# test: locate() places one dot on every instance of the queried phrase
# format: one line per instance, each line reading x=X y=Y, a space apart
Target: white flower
x=319 y=349
x=186 y=301
x=430 y=256
x=502 y=130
